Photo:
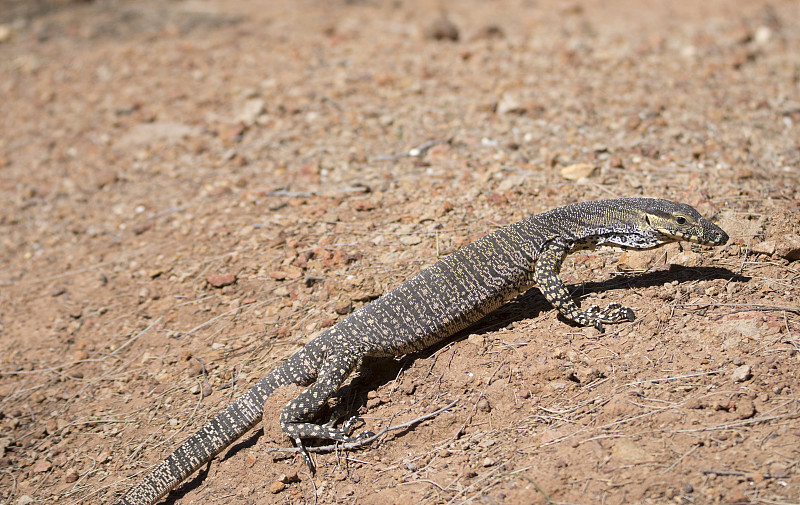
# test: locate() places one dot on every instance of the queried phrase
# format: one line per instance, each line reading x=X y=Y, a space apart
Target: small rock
x=141 y=228
x=41 y=466
x=767 y=247
x=686 y=259
x=788 y=246
x=510 y=103
x=24 y=500
x=51 y=426
x=477 y=340
x=484 y=406
x=363 y=205
x=490 y=32
x=408 y=388
x=288 y=478
x=694 y=403
x=278 y=275
x=5 y=33
x=637 y=261
x=71 y=475
x=441 y=28
x=745 y=409
x=578 y=171
x=277 y=487
x=741 y=373
x=762 y=36
x=343 y=308
x=488 y=462
x=150 y=133
x=410 y=239
x=221 y=280
x=586 y=375
x=105 y=178
x=251 y=110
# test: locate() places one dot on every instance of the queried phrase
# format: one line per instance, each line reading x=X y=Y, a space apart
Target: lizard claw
x=347 y=426
x=310 y=464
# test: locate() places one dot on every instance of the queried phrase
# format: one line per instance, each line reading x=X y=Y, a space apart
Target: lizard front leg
x=548 y=265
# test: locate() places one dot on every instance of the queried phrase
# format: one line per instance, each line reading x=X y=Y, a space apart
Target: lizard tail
x=210 y=440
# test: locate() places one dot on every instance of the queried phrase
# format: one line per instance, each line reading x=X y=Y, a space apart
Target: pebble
x=410 y=239
x=490 y=32
x=510 y=103
x=767 y=247
x=42 y=465
x=290 y=477
x=71 y=475
x=5 y=33
x=745 y=409
x=343 y=308
x=251 y=110
x=363 y=205
x=277 y=487
x=578 y=171
x=221 y=280
x=408 y=388
x=741 y=373
x=441 y=28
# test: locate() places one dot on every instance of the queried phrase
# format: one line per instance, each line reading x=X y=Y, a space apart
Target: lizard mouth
x=712 y=237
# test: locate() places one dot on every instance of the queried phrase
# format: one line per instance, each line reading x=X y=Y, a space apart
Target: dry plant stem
x=678 y=377
x=415 y=152
x=735 y=473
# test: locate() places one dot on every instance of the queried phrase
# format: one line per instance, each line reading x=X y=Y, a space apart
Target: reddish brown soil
x=192 y=190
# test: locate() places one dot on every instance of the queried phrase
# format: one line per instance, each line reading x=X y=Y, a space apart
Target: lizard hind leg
x=296 y=418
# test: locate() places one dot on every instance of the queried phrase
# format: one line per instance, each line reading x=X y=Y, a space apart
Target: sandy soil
x=191 y=190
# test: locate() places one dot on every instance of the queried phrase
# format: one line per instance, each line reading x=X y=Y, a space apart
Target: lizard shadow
x=526 y=306
x=376 y=372
x=532 y=303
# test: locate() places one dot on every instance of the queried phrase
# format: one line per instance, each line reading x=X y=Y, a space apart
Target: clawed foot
x=338 y=434
x=347 y=427
x=614 y=313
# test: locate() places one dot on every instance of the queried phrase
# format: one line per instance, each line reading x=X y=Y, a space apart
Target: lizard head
x=673 y=222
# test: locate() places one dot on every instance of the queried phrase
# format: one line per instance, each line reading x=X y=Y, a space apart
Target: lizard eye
x=680 y=220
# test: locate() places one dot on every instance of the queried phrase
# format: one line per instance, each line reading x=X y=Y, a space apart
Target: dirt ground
x=191 y=190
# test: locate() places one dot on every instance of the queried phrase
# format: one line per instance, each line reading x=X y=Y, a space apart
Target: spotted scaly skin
x=449 y=296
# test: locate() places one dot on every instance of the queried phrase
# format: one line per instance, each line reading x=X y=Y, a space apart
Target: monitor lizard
x=447 y=297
